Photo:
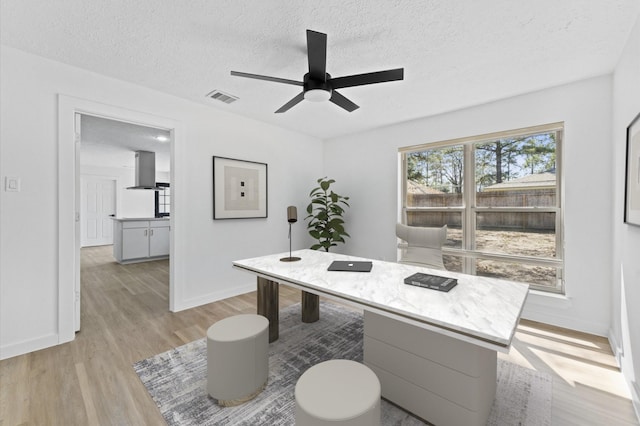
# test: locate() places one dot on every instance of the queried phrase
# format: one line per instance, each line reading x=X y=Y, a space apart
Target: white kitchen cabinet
x=139 y=240
x=135 y=242
x=158 y=239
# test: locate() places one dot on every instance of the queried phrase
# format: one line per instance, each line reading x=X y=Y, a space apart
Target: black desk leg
x=310 y=307
x=268 y=305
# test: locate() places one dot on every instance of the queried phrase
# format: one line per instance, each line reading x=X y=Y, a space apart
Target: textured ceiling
x=111 y=143
x=455 y=53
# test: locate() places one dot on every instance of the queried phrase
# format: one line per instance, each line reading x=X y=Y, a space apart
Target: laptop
x=350 y=265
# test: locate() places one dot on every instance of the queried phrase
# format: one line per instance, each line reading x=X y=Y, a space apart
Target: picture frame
x=239 y=189
x=632 y=174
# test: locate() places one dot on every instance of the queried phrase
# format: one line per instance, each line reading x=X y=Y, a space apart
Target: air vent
x=222 y=97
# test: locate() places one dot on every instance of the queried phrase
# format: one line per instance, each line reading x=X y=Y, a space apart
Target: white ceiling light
x=317 y=95
x=162 y=138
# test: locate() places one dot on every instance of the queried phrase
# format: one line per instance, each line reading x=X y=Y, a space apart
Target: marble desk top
x=133 y=219
x=480 y=310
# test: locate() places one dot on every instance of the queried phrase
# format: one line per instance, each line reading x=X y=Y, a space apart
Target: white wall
x=625 y=327
x=204 y=248
x=129 y=203
x=365 y=167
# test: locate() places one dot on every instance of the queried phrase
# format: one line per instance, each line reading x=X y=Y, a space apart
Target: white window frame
x=469 y=208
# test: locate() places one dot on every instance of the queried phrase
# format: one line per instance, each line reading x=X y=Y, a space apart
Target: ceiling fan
x=318 y=85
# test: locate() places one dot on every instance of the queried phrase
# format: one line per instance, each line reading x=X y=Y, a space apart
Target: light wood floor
x=125 y=318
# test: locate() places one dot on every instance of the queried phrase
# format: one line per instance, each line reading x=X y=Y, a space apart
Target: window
x=163 y=200
x=499 y=196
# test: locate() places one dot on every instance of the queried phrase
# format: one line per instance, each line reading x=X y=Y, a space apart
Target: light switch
x=12 y=184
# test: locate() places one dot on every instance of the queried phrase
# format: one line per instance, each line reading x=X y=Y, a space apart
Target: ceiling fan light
x=317 y=95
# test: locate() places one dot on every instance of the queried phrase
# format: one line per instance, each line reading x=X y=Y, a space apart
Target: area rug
x=176 y=380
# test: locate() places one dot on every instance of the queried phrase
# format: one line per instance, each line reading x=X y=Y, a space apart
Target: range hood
x=146 y=171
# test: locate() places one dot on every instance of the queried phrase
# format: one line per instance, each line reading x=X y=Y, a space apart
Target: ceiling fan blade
x=317 y=54
x=267 y=78
x=343 y=102
x=291 y=103
x=367 y=78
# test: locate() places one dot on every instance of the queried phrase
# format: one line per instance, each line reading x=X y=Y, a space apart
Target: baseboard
x=634 y=389
x=635 y=398
x=26 y=346
x=213 y=297
x=544 y=316
x=616 y=349
x=558 y=310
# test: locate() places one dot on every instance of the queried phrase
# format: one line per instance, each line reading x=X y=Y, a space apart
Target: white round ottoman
x=237 y=358
x=338 y=392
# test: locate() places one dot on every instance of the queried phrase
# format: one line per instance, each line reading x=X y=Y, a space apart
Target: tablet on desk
x=350 y=265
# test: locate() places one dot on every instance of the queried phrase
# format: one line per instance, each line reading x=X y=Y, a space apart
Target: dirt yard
x=508 y=242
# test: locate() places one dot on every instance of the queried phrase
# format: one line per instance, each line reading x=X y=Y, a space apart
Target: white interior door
x=77 y=223
x=98 y=206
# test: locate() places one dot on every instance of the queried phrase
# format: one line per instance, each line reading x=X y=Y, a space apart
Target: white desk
x=434 y=352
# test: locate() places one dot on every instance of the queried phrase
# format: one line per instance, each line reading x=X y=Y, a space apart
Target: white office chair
x=423 y=245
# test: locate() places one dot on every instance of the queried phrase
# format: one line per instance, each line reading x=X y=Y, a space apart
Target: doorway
x=69 y=223
x=110 y=147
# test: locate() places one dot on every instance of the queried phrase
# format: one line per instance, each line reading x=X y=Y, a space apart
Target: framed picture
x=239 y=189
x=632 y=180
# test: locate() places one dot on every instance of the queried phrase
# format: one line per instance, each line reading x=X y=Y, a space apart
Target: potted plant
x=325 y=213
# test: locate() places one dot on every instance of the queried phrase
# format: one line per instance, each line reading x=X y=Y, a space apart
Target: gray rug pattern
x=176 y=379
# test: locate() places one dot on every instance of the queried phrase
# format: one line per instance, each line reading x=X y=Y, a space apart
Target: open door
x=77 y=231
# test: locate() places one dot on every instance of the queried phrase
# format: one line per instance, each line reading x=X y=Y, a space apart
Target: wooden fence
x=537 y=222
